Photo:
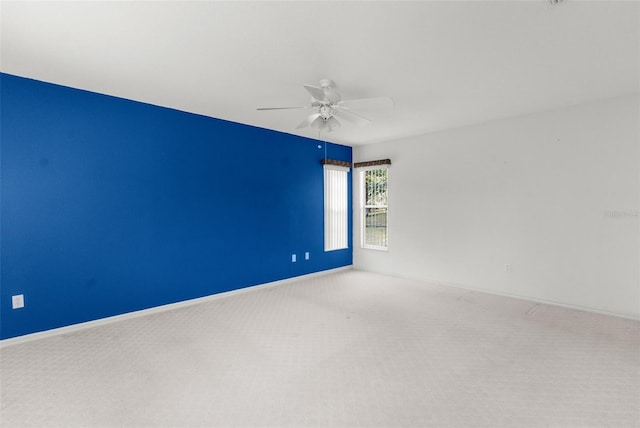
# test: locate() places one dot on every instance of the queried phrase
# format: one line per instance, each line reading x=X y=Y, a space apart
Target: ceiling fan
x=328 y=105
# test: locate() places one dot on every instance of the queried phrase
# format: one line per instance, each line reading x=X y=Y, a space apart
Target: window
x=374 y=207
x=336 y=220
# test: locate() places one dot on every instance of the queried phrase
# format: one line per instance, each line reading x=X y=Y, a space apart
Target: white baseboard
x=129 y=315
x=632 y=317
x=542 y=301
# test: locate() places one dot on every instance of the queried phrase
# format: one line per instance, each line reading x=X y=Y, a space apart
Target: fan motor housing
x=326 y=111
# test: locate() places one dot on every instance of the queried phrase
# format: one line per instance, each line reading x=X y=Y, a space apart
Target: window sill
x=373 y=247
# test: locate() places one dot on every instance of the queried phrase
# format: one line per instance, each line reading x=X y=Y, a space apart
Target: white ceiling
x=445 y=63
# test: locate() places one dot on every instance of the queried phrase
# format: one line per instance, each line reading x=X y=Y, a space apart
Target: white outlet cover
x=17 y=301
x=306 y=255
x=293 y=258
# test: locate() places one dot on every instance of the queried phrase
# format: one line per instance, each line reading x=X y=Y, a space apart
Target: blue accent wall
x=110 y=206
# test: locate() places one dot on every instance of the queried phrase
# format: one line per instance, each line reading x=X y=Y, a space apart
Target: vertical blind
x=336 y=222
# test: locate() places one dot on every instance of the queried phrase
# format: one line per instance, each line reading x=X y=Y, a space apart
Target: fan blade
x=316 y=93
x=333 y=123
x=308 y=121
x=362 y=103
x=348 y=115
x=281 y=108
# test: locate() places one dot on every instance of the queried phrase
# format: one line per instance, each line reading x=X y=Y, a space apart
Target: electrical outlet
x=306 y=255
x=17 y=301
x=294 y=258
x=507 y=268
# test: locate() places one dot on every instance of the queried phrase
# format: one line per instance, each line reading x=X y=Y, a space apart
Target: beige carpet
x=348 y=349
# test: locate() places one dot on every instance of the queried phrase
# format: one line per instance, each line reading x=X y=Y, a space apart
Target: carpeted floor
x=349 y=349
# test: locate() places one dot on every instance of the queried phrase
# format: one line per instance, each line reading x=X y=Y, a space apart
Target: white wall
x=554 y=194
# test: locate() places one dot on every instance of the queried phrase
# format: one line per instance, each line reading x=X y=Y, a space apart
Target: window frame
x=363 y=208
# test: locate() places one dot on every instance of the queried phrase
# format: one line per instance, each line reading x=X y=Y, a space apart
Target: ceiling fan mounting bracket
x=327 y=83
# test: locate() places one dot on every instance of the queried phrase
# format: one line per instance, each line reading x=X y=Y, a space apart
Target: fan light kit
x=328 y=106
